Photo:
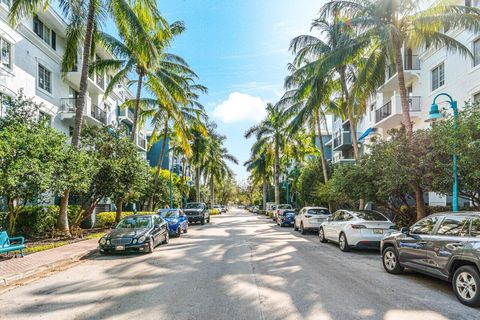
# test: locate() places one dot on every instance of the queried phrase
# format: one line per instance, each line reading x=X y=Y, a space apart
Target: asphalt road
x=241 y=266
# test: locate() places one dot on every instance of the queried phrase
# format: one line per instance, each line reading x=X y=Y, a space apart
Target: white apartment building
x=30 y=59
x=427 y=73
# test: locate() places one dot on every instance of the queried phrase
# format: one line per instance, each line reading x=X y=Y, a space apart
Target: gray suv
x=443 y=245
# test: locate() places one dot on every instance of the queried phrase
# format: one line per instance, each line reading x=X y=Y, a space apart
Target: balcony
x=96 y=83
x=91 y=113
x=390 y=114
x=141 y=141
x=342 y=141
x=343 y=161
x=126 y=115
x=411 y=69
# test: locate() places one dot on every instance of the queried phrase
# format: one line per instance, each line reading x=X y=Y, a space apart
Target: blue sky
x=239 y=48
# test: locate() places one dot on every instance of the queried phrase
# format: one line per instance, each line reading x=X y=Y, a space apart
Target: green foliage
x=310 y=179
x=107 y=219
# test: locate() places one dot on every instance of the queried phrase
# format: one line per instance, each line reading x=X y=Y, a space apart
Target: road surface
x=241 y=266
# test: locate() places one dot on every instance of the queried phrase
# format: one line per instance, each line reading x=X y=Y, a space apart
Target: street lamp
x=435 y=115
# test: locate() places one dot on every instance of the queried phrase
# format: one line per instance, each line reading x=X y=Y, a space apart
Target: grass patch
x=47 y=246
x=95 y=235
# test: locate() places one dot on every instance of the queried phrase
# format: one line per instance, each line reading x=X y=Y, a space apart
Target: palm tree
x=259 y=165
x=400 y=24
x=272 y=131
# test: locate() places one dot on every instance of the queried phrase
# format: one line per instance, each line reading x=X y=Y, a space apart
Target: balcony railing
x=98 y=114
x=69 y=104
x=410 y=62
x=383 y=112
x=101 y=80
x=342 y=139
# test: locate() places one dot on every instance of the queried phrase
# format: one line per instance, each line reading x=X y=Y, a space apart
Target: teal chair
x=8 y=244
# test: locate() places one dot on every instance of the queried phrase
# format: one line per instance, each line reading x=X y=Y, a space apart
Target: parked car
x=218 y=207
x=286 y=218
x=177 y=221
x=255 y=209
x=443 y=245
x=141 y=233
x=224 y=209
x=362 y=229
x=197 y=212
x=269 y=208
x=310 y=219
x=280 y=209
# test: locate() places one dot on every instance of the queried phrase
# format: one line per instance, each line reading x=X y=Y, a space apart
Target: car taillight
x=308 y=216
x=358 y=226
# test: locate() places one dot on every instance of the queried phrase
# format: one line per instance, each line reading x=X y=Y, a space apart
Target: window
x=44 y=78
x=454 y=226
x=424 y=226
x=5 y=2
x=45 y=33
x=476 y=52
x=4 y=104
x=371 y=216
x=6 y=53
x=475 y=228
x=438 y=76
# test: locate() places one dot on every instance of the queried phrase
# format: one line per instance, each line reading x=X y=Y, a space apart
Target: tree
x=259 y=165
x=271 y=131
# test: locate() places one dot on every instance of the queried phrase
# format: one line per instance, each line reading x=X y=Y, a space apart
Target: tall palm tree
x=272 y=131
x=400 y=24
x=259 y=165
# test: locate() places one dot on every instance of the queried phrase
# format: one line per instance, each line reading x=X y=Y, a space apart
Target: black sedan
x=139 y=233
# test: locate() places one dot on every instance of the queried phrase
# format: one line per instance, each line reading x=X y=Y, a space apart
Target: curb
x=11 y=279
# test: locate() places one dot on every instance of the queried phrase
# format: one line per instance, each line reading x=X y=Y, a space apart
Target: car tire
x=321 y=236
x=295 y=226
x=302 y=229
x=150 y=246
x=465 y=283
x=390 y=261
x=343 y=242
x=186 y=229
x=179 y=232
x=208 y=220
x=202 y=222
x=167 y=238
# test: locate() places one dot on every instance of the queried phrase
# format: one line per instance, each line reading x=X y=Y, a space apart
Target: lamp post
x=436 y=115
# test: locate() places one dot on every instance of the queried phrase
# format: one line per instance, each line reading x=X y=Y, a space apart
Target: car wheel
x=150 y=246
x=208 y=220
x=167 y=238
x=186 y=229
x=343 y=242
x=202 y=222
x=179 y=232
x=302 y=229
x=321 y=236
x=390 y=261
x=466 y=282
x=295 y=226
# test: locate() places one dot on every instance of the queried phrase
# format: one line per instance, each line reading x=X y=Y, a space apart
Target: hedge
x=107 y=219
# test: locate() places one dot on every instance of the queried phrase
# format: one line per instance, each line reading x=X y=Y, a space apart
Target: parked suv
x=197 y=212
x=443 y=245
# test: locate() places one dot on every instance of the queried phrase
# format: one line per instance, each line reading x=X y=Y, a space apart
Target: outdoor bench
x=8 y=244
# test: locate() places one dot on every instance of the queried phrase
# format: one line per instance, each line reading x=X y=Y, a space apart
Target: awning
x=366 y=133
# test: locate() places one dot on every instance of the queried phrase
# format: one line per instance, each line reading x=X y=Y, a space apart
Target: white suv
x=310 y=218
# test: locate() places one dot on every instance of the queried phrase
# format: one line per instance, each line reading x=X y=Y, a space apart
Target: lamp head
x=434 y=114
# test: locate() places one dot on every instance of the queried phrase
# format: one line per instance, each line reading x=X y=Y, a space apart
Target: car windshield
x=318 y=211
x=284 y=206
x=194 y=206
x=168 y=213
x=135 y=222
x=370 y=216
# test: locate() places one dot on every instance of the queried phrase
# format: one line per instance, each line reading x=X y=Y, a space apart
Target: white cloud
x=240 y=107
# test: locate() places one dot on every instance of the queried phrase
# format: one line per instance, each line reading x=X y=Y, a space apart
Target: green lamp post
x=436 y=115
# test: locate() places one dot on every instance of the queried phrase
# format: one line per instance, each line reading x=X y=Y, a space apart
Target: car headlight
x=174 y=221
x=135 y=241
x=108 y=242
x=103 y=241
x=141 y=239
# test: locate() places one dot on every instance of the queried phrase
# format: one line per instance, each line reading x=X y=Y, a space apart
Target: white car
x=310 y=219
x=361 y=229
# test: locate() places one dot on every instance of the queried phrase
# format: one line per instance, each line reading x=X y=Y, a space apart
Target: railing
x=142 y=142
x=101 y=80
x=414 y=103
x=68 y=104
x=410 y=62
x=98 y=114
x=127 y=113
x=342 y=138
x=383 y=112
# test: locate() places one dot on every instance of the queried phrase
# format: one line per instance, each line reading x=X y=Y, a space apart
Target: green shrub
x=107 y=219
x=214 y=212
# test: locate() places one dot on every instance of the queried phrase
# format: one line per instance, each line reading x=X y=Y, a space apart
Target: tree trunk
x=212 y=191
x=321 y=148
x=277 y=172
x=197 y=183
x=403 y=91
x=420 y=203
x=264 y=192
x=118 y=213
x=62 y=221
x=137 y=107
x=159 y=166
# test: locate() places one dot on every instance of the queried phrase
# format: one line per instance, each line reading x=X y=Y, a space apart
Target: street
x=240 y=266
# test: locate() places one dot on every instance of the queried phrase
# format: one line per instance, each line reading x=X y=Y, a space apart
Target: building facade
x=30 y=60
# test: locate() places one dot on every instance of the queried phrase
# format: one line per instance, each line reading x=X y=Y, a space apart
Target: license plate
x=378 y=231
x=119 y=248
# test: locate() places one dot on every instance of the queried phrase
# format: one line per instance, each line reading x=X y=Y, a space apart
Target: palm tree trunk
x=322 y=150
x=197 y=183
x=137 y=106
x=212 y=192
x=353 y=124
x=159 y=165
x=62 y=221
x=264 y=192
x=420 y=203
x=118 y=213
x=277 y=172
x=403 y=91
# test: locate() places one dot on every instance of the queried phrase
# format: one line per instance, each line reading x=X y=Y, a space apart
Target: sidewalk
x=16 y=269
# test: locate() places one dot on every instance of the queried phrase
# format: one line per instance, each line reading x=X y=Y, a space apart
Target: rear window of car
x=289 y=213
x=318 y=211
x=371 y=216
x=284 y=206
